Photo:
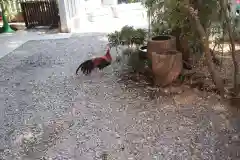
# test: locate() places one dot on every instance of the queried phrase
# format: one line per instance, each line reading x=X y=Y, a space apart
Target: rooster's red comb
x=108 y=51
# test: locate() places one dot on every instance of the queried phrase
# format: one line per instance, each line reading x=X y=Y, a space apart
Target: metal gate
x=40 y=13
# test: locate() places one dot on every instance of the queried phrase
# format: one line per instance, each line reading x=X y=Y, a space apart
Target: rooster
x=99 y=62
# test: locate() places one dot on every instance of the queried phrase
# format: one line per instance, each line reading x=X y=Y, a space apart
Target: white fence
x=79 y=16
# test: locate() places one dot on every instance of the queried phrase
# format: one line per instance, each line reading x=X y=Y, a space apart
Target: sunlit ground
x=105 y=22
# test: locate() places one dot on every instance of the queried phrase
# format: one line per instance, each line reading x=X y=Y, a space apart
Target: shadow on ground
x=47 y=111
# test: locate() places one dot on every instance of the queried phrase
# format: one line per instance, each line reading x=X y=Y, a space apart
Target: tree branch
x=217 y=80
x=233 y=50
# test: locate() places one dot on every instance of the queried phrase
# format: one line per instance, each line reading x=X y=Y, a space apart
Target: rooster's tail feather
x=80 y=66
x=86 y=67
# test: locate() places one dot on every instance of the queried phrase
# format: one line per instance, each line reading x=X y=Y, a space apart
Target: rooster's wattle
x=99 y=62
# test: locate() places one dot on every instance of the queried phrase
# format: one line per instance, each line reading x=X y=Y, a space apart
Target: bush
x=133 y=38
x=128 y=36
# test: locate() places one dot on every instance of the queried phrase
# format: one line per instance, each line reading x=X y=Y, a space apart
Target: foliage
x=133 y=1
x=196 y=20
x=114 y=38
x=129 y=1
x=166 y=15
x=128 y=36
x=139 y=36
x=193 y=23
x=134 y=61
x=161 y=29
x=12 y=8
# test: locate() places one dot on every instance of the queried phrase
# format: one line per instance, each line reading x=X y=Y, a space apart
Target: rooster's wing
x=103 y=64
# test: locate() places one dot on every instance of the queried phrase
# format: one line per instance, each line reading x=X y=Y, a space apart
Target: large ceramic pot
x=166 y=67
x=159 y=44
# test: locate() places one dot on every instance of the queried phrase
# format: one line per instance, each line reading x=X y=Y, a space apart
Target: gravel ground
x=47 y=112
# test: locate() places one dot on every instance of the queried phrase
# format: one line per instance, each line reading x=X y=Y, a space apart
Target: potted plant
x=160 y=43
x=143 y=52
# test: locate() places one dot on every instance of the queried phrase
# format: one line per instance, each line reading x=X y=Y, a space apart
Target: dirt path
x=47 y=111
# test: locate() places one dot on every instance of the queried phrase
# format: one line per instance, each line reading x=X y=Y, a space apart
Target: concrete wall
x=68 y=10
x=72 y=11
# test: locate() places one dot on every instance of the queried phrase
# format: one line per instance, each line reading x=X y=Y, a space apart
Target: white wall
x=110 y=2
x=68 y=9
x=93 y=3
x=73 y=11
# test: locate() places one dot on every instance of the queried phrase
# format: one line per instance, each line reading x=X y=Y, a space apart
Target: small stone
x=235 y=137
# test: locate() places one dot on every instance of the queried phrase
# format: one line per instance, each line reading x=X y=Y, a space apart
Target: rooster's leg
x=101 y=73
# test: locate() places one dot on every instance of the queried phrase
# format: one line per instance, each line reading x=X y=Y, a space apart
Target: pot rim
x=170 y=37
x=141 y=48
x=168 y=52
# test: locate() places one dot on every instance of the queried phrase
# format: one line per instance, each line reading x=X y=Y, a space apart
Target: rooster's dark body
x=100 y=62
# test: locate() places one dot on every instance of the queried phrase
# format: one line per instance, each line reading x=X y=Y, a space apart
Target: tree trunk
x=231 y=38
x=182 y=40
x=217 y=80
x=181 y=43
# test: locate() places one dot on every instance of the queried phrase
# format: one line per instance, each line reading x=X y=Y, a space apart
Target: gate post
x=65 y=21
